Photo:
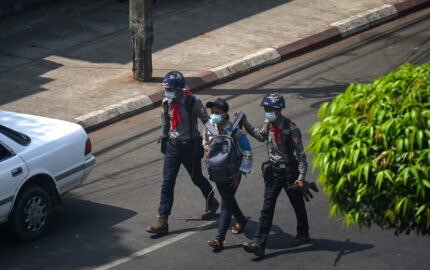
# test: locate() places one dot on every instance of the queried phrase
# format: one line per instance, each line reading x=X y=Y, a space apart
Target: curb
x=264 y=57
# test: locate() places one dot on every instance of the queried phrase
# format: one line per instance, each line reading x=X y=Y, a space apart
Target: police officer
x=286 y=169
x=181 y=143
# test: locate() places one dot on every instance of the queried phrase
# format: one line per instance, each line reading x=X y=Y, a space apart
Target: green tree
x=372 y=148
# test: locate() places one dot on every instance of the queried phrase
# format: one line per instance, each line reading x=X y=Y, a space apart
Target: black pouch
x=266 y=170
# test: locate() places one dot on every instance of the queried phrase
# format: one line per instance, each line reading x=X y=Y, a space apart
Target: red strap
x=278 y=134
x=176 y=115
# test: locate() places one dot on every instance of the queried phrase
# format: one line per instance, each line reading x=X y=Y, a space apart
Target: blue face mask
x=170 y=95
x=270 y=116
x=216 y=118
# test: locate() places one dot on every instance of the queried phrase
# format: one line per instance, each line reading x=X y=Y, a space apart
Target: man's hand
x=235 y=179
x=304 y=187
x=207 y=152
x=244 y=119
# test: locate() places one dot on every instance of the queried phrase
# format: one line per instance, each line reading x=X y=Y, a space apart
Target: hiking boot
x=300 y=239
x=211 y=207
x=160 y=227
x=252 y=247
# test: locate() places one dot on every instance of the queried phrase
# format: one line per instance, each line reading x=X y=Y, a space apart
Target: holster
x=291 y=173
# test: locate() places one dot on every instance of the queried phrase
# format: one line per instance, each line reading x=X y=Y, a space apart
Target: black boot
x=160 y=227
x=252 y=247
x=300 y=239
x=211 y=207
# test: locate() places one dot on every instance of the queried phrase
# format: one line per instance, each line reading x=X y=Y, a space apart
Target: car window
x=18 y=137
x=5 y=153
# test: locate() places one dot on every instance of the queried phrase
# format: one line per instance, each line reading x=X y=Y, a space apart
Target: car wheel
x=32 y=214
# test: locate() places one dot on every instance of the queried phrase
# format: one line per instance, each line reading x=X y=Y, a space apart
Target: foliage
x=372 y=148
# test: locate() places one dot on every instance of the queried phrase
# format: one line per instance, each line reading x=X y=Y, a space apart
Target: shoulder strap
x=189 y=105
x=288 y=141
x=165 y=107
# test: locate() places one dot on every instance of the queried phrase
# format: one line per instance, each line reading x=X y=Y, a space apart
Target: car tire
x=32 y=214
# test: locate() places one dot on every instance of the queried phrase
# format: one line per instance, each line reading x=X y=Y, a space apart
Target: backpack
x=224 y=156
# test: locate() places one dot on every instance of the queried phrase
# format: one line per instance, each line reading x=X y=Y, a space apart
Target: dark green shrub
x=372 y=149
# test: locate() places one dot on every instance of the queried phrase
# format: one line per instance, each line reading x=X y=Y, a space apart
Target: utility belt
x=181 y=143
x=290 y=171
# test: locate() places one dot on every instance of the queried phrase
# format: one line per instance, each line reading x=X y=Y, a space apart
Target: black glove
x=305 y=189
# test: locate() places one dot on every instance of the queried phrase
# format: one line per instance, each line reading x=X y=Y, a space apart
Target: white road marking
x=152 y=248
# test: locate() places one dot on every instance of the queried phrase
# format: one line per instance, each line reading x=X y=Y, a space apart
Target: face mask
x=270 y=116
x=170 y=95
x=216 y=118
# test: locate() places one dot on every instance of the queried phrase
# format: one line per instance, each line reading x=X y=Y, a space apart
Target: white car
x=40 y=160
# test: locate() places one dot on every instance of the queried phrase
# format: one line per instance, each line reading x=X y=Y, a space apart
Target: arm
x=245 y=148
x=260 y=135
x=205 y=142
x=200 y=111
x=165 y=120
x=297 y=142
x=165 y=126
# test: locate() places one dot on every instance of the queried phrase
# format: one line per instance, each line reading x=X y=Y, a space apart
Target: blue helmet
x=174 y=80
x=274 y=100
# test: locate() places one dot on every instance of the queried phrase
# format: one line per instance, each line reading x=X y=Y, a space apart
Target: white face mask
x=270 y=116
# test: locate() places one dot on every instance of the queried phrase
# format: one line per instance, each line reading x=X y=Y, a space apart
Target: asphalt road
x=103 y=222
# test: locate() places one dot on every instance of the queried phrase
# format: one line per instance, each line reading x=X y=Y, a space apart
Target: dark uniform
x=181 y=143
x=181 y=146
x=280 y=139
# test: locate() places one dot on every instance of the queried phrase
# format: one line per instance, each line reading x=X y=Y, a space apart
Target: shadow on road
x=341 y=247
x=83 y=235
x=278 y=239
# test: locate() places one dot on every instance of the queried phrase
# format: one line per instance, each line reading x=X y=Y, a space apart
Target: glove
x=303 y=187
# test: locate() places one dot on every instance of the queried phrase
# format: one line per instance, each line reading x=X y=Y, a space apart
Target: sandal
x=240 y=229
x=216 y=245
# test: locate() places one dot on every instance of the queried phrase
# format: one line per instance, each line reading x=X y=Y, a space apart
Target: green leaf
x=420 y=210
x=415 y=172
x=399 y=205
x=379 y=179
x=366 y=171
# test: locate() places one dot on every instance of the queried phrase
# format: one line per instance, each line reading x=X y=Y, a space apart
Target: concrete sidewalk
x=71 y=60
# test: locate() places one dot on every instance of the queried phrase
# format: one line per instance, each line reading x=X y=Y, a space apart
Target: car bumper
x=90 y=163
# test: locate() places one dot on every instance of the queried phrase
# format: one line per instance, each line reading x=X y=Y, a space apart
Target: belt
x=178 y=143
x=279 y=167
x=282 y=167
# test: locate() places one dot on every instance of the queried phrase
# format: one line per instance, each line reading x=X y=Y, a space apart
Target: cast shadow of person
x=278 y=239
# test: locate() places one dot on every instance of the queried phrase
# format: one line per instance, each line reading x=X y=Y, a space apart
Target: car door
x=12 y=172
